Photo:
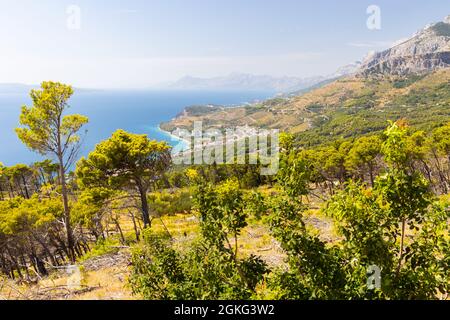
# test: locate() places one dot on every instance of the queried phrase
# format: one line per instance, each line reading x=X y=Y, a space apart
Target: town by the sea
x=134 y=111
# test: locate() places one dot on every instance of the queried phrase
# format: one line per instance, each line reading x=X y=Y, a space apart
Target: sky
x=142 y=43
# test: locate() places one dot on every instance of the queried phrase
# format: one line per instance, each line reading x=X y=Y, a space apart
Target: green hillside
x=344 y=108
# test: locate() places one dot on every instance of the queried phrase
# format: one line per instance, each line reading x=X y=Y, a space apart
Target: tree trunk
x=144 y=203
x=440 y=173
x=136 y=231
x=122 y=237
x=11 y=191
x=27 y=194
x=372 y=180
x=69 y=232
x=402 y=241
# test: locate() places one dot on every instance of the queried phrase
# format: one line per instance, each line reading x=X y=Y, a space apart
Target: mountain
x=241 y=81
x=427 y=50
x=411 y=80
x=347 y=70
x=345 y=108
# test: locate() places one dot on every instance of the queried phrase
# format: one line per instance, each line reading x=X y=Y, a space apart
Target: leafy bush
x=169 y=203
x=372 y=223
x=211 y=268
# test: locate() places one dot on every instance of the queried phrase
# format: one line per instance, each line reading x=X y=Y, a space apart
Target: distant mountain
x=241 y=81
x=409 y=81
x=344 y=71
x=427 y=50
x=344 y=108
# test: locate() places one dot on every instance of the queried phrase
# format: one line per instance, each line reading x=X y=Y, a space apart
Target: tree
x=48 y=131
x=45 y=171
x=372 y=225
x=441 y=142
x=20 y=176
x=211 y=268
x=363 y=155
x=126 y=161
x=29 y=234
x=3 y=179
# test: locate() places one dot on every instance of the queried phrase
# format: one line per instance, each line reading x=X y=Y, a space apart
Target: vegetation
x=192 y=230
x=126 y=161
x=395 y=223
x=346 y=108
x=47 y=131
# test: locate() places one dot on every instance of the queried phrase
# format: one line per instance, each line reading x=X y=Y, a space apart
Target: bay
x=134 y=111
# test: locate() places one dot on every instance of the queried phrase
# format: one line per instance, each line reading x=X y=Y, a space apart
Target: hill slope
x=346 y=107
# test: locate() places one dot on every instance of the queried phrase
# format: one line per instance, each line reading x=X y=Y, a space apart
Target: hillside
x=350 y=106
x=410 y=80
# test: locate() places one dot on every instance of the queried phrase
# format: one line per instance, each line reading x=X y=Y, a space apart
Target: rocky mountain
x=427 y=50
x=344 y=108
x=409 y=81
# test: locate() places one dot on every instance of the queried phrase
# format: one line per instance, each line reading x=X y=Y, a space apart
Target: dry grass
x=105 y=283
x=104 y=277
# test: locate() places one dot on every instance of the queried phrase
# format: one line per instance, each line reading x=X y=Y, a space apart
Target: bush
x=169 y=203
x=211 y=268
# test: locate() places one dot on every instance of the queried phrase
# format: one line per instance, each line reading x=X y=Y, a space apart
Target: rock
x=427 y=50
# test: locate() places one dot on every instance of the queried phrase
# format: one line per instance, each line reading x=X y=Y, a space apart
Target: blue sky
x=138 y=43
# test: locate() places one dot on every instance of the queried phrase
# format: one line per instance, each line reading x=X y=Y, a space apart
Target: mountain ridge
x=245 y=81
x=427 y=50
x=411 y=80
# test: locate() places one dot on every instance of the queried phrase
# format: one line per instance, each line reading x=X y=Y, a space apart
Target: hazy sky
x=138 y=43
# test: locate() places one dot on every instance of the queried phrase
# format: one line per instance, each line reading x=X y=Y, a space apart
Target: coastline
x=184 y=142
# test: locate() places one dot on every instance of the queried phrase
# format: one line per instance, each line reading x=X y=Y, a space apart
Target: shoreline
x=184 y=142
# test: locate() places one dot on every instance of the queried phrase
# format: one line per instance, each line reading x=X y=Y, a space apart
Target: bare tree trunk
x=27 y=194
x=402 y=243
x=69 y=232
x=136 y=231
x=122 y=237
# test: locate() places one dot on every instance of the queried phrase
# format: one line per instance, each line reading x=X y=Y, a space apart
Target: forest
x=387 y=195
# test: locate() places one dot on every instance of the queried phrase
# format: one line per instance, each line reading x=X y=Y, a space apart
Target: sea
x=138 y=112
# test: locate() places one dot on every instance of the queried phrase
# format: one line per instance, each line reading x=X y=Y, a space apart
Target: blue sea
x=134 y=111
